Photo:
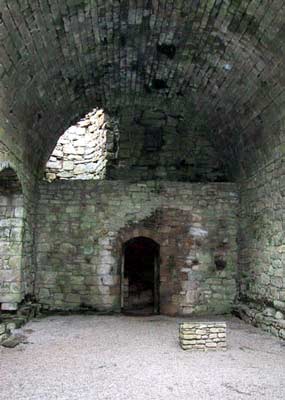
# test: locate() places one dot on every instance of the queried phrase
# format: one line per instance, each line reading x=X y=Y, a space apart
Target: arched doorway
x=140 y=276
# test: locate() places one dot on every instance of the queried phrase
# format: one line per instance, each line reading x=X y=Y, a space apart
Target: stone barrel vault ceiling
x=220 y=59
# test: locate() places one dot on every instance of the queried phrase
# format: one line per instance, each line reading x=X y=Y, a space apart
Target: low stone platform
x=9 y=321
x=203 y=336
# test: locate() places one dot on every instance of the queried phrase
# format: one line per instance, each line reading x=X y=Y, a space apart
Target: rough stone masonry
x=203 y=336
x=82 y=227
x=85 y=149
x=198 y=88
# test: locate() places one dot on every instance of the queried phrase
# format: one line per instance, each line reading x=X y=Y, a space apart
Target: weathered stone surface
x=2 y=328
x=11 y=342
x=279 y=305
x=262 y=251
x=273 y=324
x=200 y=336
x=136 y=62
x=279 y=315
x=83 y=151
x=82 y=227
x=11 y=239
x=198 y=90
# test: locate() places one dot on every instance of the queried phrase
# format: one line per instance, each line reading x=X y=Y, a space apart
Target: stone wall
x=83 y=151
x=60 y=57
x=262 y=246
x=30 y=197
x=82 y=226
x=26 y=197
x=164 y=145
x=4 y=331
x=11 y=240
x=11 y=231
x=151 y=145
x=9 y=322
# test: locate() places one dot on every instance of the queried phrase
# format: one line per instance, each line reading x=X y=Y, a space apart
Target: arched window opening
x=140 y=276
x=85 y=149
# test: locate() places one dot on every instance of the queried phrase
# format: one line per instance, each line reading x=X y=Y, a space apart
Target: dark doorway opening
x=140 y=276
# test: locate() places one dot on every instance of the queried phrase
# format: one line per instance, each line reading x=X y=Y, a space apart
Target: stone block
x=9 y=306
x=281 y=323
x=11 y=326
x=282 y=333
x=279 y=305
x=211 y=344
x=73 y=298
x=191 y=338
x=44 y=293
x=2 y=329
x=11 y=342
x=3 y=337
x=279 y=315
x=68 y=165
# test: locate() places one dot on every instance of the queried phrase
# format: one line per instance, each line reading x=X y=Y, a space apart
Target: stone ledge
x=203 y=336
x=269 y=319
x=10 y=322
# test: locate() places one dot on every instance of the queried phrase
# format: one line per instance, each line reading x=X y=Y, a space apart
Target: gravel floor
x=104 y=357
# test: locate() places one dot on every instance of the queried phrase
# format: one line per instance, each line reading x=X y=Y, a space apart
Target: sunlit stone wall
x=84 y=150
x=82 y=226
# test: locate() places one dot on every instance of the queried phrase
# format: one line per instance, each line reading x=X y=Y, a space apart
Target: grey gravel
x=118 y=357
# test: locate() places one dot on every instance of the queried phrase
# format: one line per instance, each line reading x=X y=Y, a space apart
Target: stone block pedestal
x=203 y=336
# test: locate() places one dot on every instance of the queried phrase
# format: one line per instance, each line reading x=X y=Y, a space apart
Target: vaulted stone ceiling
x=220 y=59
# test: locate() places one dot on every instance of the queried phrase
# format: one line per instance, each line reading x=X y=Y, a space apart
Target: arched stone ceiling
x=222 y=58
